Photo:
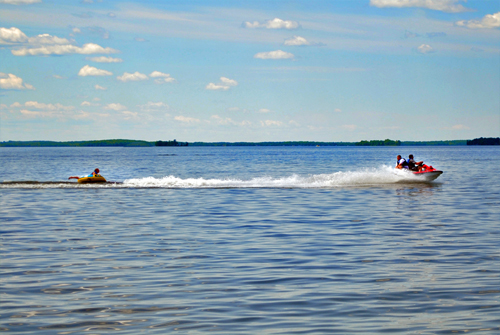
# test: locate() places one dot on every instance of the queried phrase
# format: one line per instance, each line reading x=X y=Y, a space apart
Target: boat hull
x=428 y=175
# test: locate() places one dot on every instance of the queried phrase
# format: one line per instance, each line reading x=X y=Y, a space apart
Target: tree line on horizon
x=175 y=143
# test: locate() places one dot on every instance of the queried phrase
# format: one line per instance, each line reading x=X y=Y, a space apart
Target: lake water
x=249 y=240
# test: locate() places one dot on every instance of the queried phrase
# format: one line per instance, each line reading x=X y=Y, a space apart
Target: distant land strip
x=175 y=143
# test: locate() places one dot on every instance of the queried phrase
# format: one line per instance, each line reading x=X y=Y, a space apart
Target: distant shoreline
x=138 y=143
x=174 y=143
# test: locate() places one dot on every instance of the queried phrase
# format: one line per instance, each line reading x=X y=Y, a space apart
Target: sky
x=305 y=70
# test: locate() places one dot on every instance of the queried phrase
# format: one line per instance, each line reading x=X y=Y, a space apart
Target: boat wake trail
x=368 y=177
x=381 y=176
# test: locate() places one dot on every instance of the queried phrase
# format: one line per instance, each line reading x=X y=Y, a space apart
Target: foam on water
x=354 y=178
x=384 y=175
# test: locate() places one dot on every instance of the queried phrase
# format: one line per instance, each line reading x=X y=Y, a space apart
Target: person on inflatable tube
x=93 y=174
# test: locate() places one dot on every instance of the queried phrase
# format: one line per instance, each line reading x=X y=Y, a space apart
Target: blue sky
x=249 y=70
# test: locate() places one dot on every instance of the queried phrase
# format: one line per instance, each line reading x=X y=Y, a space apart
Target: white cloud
x=86 y=103
x=132 y=77
x=76 y=30
x=47 y=39
x=20 y=2
x=12 y=82
x=153 y=106
x=12 y=35
x=115 y=106
x=215 y=87
x=29 y=113
x=161 y=78
x=16 y=36
x=278 y=54
x=459 y=127
x=48 y=107
x=229 y=121
x=56 y=76
x=296 y=41
x=337 y=110
x=264 y=110
x=350 y=127
x=273 y=24
x=100 y=88
x=269 y=123
x=186 y=119
x=92 y=71
x=228 y=82
x=224 y=85
x=449 y=6
x=89 y=48
x=490 y=21
x=425 y=49
x=104 y=59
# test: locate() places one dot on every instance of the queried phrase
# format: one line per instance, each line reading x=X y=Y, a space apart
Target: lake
x=249 y=240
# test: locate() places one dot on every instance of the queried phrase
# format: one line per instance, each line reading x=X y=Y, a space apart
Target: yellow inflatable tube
x=96 y=179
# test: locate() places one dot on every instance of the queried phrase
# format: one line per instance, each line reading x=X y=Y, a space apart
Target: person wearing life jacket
x=93 y=174
x=402 y=163
x=414 y=166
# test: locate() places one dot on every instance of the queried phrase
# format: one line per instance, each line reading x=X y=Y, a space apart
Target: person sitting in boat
x=414 y=166
x=94 y=174
x=402 y=163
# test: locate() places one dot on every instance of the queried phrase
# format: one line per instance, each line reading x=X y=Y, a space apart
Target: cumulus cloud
x=296 y=41
x=89 y=48
x=136 y=76
x=275 y=23
x=278 y=54
x=153 y=106
x=229 y=121
x=161 y=78
x=186 y=119
x=12 y=35
x=42 y=108
x=228 y=82
x=104 y=59
x=100 y=88
x=269 y=123
x=225 y=84
x=12 y=82
x=490 y=21
x=16 y=36
x=448 y=6
x=20 y=2
x=47 y=39
x=92 y=71
x=215 y=87
x=115 y=106
x=86 y=103
x=48 y=107
x=425 y=49
x=264 y=110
